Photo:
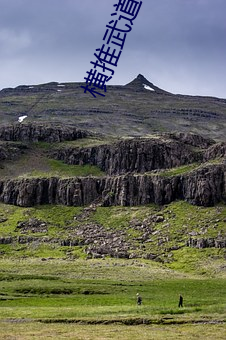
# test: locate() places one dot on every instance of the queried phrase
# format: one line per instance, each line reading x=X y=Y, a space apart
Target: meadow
x=50 y=291
x=96 y=299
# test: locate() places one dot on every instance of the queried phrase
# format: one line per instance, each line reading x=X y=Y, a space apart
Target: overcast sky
x=179 y=45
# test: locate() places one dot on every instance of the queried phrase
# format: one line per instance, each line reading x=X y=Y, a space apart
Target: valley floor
x=96 y=299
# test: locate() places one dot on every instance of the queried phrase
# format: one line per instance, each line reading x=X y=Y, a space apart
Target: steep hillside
x=78 y=194
x=136 y=109
x=128 y=172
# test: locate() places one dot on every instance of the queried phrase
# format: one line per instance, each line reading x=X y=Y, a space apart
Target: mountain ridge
x=138 y=108
x=140 y=82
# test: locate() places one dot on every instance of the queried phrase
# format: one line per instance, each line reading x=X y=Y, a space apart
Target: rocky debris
x=6 y=240
x=201 y=243
x=39 y=240
x=215 y=151
x=85 y=214
x=132 y=241
x=147 y=227
x=10 y=151
x=100 y=241
x=159 y=218
x=70 y=243
x=35 y=133
x=203 y=186
x=151 y=256
x=33 y=225
x=128 y=156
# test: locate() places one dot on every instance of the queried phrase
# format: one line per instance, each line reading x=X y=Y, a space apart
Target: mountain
x=140 y=83
x=122 y=176
x=139 y=108
x=101 y=198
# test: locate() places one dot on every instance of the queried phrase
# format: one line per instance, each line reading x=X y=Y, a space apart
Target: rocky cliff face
x=131 y=155
x=191 y=139
x=11 y=151
x=125 y=163
x=35 y=133
x=215 y=151
x=205 y=187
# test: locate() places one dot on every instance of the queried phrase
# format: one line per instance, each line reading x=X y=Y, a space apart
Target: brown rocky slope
x=134 y=171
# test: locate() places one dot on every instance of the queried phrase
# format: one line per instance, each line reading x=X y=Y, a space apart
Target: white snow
x=21 y=118
x=31 y=87
x=61 y=85
x=59 y=90
x=148 y=87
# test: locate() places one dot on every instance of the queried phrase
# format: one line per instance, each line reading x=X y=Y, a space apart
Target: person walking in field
x=180 y=301
x=139 y=299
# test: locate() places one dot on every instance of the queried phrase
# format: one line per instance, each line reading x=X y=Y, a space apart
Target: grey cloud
x=178 y=44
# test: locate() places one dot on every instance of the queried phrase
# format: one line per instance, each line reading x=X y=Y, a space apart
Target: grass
x=49 y=290
x=168 y=239
x=119 y=217
x=39 y=165
x=55 y=216
x=60 y=169
x=87 y=142
x=180 y=170
x=37 y=331
x=36 y=162
x=51 y=297
x=80 y=143
x=203 y=261
x=56 y=298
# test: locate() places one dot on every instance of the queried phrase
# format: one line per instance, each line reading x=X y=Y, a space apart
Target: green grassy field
x=38 y=331
x=96 y=299
x=52 y=291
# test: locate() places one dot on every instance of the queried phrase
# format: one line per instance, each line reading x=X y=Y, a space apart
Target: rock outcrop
x=139 y=155
x=205 y=186
x=191 y=139
x=132 y=166
x=215 y=151
x=219 y=242
x=11 y=151
x=37 y=132
x=138 y=85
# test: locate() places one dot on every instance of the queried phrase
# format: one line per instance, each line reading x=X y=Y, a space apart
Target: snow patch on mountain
x=148 y=87
x=21 y=118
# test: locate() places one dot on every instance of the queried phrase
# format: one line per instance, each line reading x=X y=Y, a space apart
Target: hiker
x=180 y=301
x=139 y=299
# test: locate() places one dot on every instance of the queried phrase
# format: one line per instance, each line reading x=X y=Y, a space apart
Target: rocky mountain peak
x=140 y=83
